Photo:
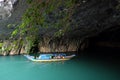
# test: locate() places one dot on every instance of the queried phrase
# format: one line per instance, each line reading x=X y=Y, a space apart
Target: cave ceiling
x=92 y=16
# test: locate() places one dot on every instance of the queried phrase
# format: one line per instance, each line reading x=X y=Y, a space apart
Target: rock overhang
x=92 y=17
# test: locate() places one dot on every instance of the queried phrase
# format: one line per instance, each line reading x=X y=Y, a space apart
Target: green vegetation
x=45 y=13
x=1 y=45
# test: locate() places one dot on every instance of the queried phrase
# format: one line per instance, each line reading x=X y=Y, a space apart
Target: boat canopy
x=45 y=56
x=61 y=54
x=49 y=56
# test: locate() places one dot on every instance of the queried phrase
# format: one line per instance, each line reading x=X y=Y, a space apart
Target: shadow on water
x=109 y=57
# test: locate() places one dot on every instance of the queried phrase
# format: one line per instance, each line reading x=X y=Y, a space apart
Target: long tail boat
x=50 y=57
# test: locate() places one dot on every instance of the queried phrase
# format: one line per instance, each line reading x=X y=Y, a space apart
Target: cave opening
x=106 y=45
x=106 y=41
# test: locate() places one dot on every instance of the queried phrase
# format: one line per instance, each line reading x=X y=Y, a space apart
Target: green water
x=19 y=68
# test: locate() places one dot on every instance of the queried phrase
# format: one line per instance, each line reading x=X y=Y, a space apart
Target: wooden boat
x=63 y=58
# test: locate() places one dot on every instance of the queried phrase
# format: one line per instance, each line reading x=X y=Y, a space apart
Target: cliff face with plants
x=57 y=26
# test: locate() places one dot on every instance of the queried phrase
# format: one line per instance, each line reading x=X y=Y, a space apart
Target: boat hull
x=49 y=60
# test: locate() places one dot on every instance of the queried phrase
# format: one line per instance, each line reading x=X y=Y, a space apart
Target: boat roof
x=54 y=54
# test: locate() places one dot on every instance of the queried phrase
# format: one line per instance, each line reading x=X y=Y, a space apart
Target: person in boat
x=58 y=56
x=52 y=57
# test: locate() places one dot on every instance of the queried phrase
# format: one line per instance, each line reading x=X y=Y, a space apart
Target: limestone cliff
x=91 y=16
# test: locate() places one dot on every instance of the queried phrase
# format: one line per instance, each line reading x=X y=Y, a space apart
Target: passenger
x=58 y=57
x=52 y=57
x=62 y=57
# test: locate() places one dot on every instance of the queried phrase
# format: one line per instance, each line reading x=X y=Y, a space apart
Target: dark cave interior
x=105 y=46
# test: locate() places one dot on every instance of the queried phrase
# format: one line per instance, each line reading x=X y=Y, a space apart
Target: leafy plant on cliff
x=45 y=13
x=1 y=45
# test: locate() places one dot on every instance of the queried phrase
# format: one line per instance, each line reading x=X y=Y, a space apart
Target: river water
x=19 y=68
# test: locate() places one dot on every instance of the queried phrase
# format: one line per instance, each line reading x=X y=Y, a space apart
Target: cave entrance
x=105 y=45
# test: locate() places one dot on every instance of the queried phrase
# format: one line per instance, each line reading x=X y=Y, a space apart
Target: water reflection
x=76 y=69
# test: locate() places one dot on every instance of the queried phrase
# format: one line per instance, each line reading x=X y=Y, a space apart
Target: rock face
x=95 y=16
x=58 y=45
x=15 y=47
x=6 y=7
x=46 y=45
x=18 y=9
x=10 y=48
x=91 y=16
